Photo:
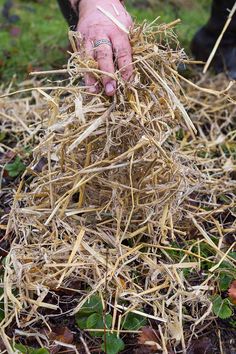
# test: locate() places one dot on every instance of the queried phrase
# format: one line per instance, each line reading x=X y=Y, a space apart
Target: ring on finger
x=102 y=41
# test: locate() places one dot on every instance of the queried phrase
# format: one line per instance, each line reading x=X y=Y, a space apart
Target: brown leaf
x=40 y=165
x=149 y=337
x=232 y=292
x=201 y=345
x=60 y=334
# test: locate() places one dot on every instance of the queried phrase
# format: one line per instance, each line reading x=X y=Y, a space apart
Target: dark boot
x=204 y=40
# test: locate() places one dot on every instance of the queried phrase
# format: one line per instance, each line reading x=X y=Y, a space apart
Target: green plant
x=180 y=134
x=28 y=350
x=133 y=322
x=225 y=280
x=91 y=316
x=112 y=344
x=222 y=307
x=15 y=168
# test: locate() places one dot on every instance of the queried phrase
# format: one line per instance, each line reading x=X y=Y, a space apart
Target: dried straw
x=119 y=205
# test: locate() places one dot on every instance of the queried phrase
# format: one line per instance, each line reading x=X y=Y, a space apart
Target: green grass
x=42 y=41
x=192 y=17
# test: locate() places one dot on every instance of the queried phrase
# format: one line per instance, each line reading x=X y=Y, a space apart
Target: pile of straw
x=115 y=204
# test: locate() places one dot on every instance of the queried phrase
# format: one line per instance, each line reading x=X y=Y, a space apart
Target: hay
x=120 y=205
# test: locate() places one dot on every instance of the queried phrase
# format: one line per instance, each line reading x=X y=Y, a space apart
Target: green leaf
x=226 y=265
x=221 y=307
x=28 y=350
x=15 y=168
x=224 y=281
x=27 y=149
x=93 y=319
x=96 y=321
x=93 y=304
x=113 y=345
x=180 y=134
x=133 y=322
x=81 y=320
x=233 y=255
x=39 y=351
x=22 y=349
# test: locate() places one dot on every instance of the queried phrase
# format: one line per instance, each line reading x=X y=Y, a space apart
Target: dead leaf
x=60 y=334
x=175 y=329
x=150 y=338
x=200 y=346
x=40 y=165
x=122 y=283
x=232 y=292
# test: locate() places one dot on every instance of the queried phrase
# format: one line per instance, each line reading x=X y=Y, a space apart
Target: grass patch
x=37 y=39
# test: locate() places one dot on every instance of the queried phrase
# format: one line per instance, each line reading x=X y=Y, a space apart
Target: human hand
x=95 y=26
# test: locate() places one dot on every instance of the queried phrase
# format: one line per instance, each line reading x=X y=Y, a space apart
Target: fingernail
x=110 y=89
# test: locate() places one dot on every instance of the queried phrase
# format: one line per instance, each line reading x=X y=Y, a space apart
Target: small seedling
x=224 y=281
x=28 y=350
x=91 y=316
x=15 y=168
x=222 y=307
x=133 y=322
x=113 y=344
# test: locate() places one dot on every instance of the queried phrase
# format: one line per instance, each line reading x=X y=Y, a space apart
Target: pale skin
x=93 y=25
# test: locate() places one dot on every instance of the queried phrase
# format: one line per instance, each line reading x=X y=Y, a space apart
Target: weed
x=222 y=308
x=28 y=350
x=15 y=168
x=91 y=316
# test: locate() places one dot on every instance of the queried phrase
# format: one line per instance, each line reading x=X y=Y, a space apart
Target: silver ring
x=102 y=41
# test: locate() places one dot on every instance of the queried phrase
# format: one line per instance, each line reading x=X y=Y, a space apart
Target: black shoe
x=205 y=39
x=225 y=57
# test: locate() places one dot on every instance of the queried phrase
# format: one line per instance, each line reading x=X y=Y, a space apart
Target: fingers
x=104 y=54
x=89 y=79
x=104 y=57
x=123 y=55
